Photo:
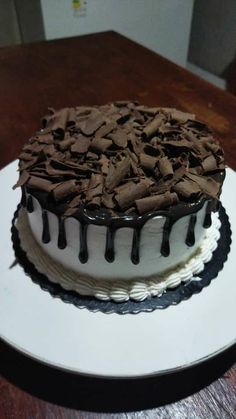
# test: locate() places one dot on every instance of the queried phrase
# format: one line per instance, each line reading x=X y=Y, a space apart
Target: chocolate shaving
x=100 y=144
x=39 y=183
x=209 y=164
x=152 y=127
x=156 y=202
x=108 y=200
x=58 y=122
x=165 y=168
x=91 y=125
x=131 y=191
x=49 y=150
x=113 y=155
x=64 y=190
x=75 y=202
x=66 y=143
x=117 y=173
x=187 y=188
x=105 y=129
x=119 y=138
x=45 y=138
x=178 y=115
x=147 y=162
x=24 y=176
x=71 y=119
x=81 y=144
x=208 y=185
x=148 y=111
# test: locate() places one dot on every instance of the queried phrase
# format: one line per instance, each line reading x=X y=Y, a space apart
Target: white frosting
x=118 y=290
x=151 y=260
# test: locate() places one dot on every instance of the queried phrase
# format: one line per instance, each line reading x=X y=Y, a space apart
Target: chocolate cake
x=117 y=200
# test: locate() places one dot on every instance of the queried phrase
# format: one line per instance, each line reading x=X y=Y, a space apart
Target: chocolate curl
x=58 y=122
x=147 y=162
x=179 y=115
x=75 y=202
x=123 y=116
x=165 y=168
x=66 y=143
x=26 y=157
x=214 y=148
x=34 y=149
x=83 y=110
x=95 y=186
x=117 y=173
x=156 y=202
x=164 y=185
x=44 y=138
x=168 y=129
x=92 y=156
x=138 y=117
x=151 y=129
x=71 y=117
x=24 y=176
x=148 y=111
x=106 y=129
x=81 y=144
x=104 y=162
x=94 y=203
x=132 y=156
x=92 y=123
x=135 y=143
x=121 y=103
x=208 y=185
x=108 y=201
x=187 y=188
x=210 y=164
x=26 y=165
x=51 y=171
x=180 y=143
x=119 y=138
x=64 y=190
x=137 y=171
x=152 y=151
x=100 y=144
x=49 y=150
x=39 y=183
x=130 y=192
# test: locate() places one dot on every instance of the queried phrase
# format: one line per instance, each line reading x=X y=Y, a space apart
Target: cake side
x=154 y=253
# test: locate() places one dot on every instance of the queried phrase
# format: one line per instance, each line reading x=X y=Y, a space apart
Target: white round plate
x=112 y=345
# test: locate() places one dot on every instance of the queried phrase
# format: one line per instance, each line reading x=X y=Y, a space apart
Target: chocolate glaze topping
x=29 y=203
x=190 y=238
x=61 y=243
x=119 y=165
x=46 y=233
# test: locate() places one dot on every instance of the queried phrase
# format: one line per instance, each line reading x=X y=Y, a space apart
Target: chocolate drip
x=136 y=246
x=29 y=204
x=190 y=238
x=23 y=197
x=207 y=220
x=61 y=242
x=103 y=218
x=46 y=233
x=83 y=254
x=110 y=251
x=165 y=245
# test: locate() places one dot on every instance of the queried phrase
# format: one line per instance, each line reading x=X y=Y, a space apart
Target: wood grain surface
x=95 y=69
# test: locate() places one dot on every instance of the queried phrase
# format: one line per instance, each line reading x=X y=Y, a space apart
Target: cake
x=120 y=201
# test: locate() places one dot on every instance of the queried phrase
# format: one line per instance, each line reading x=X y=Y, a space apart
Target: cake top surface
x=123 y=157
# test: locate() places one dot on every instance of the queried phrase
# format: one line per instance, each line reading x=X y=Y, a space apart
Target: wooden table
x=96 y=69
